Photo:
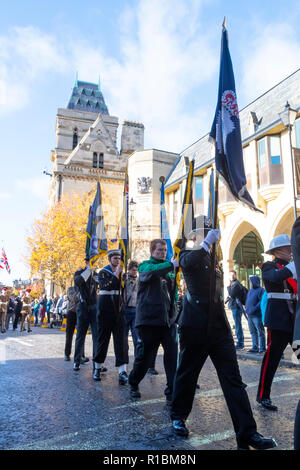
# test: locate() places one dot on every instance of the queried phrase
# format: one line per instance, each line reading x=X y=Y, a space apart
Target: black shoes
x=123 y=378
x=267 y=403
x=252 y=351
x=96 y=375
x=258 y=442
x=239 y=347
x=134 y=391
x=180 y=428
x=76 y=366
x=84 y=360
x=152 y=371
x=67 y=358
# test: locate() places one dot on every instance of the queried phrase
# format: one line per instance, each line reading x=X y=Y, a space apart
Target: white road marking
x=25 y=343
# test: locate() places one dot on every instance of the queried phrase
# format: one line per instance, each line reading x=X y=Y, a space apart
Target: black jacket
x=18 y=306
x=155 y=304
x=109 y=305
x=277 y=316
x=196 y=265
x=235 y=291
x=87 y=289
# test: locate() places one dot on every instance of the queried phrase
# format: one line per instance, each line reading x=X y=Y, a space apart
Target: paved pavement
x=46 y=405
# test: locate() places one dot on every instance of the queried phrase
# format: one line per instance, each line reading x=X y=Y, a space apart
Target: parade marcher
x=10 y=314
x=197 y=342
x=86 y=314
x=129 y=302
x=295 y=243
x=4 y=299
x=18 y=308
x=73 y=299
x=155 y=317
x=279 y=279
x=110 y=319
x=26 y=310
x=253 y=311
x=235 y=291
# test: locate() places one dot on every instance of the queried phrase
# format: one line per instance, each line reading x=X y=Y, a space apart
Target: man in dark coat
x=279 y=279
x=110 y=319
x=18 y=309
x=86 y=282
x=197 y=342
x=155 y=317
x=235 y=290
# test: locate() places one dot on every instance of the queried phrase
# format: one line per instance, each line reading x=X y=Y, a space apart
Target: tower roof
x=87 y=97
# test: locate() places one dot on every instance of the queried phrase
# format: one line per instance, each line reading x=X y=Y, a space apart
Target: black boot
x=96 y=375
x=258 y=442
x=180 y=428
x=266 y=403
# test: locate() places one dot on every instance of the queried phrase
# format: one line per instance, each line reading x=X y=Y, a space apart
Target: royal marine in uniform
x=196 y=344
x=27 y=299
x=279 y=278
x=4 y=299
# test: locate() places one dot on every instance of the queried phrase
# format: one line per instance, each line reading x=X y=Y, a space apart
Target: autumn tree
x=57 y=243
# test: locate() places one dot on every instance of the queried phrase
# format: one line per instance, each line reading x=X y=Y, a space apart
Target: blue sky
x=158 y=62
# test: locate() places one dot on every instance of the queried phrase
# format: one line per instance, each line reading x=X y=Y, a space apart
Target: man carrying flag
x=86 y=280
x=109 y=316
x=197 y=341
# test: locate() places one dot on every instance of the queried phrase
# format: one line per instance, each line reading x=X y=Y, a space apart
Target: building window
x=175 y=207
x=95 y=160
x=75 y=138
x=101 y=160
x=198 y=195
x=262 y=156
x=297 y=132
x=275 y=150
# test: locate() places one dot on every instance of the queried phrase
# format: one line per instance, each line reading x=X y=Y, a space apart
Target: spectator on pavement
x=253 y=311
x=235 y=292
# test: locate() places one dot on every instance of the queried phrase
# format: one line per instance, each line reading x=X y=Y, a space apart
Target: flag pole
x=213 y=261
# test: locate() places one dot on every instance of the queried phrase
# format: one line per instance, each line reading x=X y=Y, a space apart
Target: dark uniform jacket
x=277 y=316
x=156 y=290
x=87 y=289
x=109 y=305
x=195 y=266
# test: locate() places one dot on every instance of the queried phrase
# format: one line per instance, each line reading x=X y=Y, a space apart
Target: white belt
x=3 y=303
x=109 y=292
x=282 y=296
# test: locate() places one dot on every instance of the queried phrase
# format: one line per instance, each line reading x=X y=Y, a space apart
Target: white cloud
x=4 y=196
x=271 y=56
x=26 y=54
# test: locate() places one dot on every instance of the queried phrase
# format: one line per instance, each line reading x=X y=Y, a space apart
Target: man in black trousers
x=279 y=277
x=196 y=345
x=86 y=281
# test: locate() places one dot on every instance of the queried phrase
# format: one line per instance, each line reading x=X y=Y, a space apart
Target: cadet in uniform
x=110 y=319
x=196 y=346
x=279 y=280
x=26 y=310
x=4 y=299
x=86 y=281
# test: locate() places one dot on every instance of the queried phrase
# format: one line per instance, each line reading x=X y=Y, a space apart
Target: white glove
x=175 y=263
x=86 y=273
x=291 y=266
x=212 y=236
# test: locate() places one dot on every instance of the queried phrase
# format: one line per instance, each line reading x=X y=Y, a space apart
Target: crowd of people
x=146 y=302
x=22 y=310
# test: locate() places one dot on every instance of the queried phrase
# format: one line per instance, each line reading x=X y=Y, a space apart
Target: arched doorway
x=248 y=258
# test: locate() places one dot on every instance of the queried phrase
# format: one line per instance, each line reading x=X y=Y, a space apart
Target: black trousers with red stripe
x=277 y=342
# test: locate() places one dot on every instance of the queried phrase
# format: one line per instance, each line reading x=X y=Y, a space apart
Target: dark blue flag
x=226 y=131
x=96 y=243
x=164 y=228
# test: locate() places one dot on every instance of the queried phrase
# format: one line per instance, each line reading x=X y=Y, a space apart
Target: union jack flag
x=4 y=261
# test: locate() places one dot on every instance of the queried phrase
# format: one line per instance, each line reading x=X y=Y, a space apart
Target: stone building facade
x=86 y=145
x=268 y=166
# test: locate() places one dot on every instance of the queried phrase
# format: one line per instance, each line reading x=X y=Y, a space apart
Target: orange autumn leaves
x=57 y=243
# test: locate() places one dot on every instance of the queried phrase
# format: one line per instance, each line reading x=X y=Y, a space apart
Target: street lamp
x=288 y=116
x=132 y=205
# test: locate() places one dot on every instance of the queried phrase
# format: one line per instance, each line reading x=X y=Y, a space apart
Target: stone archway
x=284 y=223
x=248 y=257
